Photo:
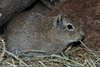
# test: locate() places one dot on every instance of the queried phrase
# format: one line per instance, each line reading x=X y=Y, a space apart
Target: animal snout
x=81 y=32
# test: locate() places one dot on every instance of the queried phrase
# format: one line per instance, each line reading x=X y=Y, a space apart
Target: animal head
x=66 y=29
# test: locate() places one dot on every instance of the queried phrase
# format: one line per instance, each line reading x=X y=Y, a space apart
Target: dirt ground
x=87 y=14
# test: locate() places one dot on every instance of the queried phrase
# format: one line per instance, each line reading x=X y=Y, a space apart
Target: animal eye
x=70 y=27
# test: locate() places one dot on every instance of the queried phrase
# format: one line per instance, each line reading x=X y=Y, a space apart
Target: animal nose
x=81 y=33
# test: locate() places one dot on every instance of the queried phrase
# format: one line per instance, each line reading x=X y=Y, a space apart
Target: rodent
x=33 y=31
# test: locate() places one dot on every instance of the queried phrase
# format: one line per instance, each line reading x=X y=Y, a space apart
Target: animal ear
x=58 y=20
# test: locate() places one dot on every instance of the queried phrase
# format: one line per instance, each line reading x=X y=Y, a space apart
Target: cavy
x=32 y=31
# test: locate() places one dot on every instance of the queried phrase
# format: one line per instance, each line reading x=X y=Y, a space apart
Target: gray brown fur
x=33 y=31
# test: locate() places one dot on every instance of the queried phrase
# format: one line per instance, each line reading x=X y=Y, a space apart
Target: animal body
x=33 y=31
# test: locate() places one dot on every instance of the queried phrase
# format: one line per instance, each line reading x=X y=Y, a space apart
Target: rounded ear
x=58 y=20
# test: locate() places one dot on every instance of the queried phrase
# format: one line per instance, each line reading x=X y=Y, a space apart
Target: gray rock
x=9 y=8
x=41 y=8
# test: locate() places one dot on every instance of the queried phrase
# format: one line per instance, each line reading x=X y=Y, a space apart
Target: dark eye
x=70 y=27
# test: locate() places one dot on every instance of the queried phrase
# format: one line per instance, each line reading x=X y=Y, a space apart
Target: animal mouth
x=76 y=43
x=78 y=39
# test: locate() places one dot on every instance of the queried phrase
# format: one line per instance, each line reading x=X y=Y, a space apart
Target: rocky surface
x=9 y=8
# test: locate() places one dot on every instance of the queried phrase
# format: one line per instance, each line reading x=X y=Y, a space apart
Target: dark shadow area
x=30 y=7
x=3 y=28
x=75 y=44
